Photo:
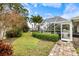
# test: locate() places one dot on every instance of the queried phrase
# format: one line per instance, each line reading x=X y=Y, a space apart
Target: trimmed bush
x=5 y=48
x=13 y=33
x=44 y=36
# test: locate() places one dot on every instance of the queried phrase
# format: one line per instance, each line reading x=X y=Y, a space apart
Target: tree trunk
x=2 y=36
x=3 y=33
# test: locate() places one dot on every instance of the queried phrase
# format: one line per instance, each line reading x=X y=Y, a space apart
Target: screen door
x=66 y=32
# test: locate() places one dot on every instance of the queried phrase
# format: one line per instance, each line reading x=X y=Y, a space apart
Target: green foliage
x=25 y=28
x=13 y=33
x=14 y=6
x=49 y=37
x=36 y=19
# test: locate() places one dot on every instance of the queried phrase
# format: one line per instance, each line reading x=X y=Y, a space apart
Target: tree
x=9 y=21
x=37 y=20
x=13 y=18
x=17 y=7
x=14 y=6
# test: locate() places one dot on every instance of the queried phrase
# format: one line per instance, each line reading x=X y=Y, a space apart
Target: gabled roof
x=55 y=19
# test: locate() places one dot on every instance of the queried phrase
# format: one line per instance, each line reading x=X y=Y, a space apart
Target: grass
x=77 y=50
x=30 y=46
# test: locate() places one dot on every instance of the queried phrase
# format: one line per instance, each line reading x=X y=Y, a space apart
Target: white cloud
x=70 y=15
x=56 y=5
x=70 y=11
x=48 y=15
x=70 y=8
x=34 y=4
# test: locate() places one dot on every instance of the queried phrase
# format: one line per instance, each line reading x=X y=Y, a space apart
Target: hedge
x=44 y=36
x=13 y=33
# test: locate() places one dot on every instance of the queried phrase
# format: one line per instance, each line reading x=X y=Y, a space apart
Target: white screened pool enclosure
x=58 y=25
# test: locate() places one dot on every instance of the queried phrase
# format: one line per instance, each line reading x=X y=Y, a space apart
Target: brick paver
x=62 y=48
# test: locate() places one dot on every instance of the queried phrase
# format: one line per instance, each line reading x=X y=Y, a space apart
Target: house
x=47 y=24
x=59 y=25
x=65 y=28
x=32 y=26
x=75 y=21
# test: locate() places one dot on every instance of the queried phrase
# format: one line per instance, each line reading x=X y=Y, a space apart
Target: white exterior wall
x=77 y=28
x=30 y=26
x=44 y=26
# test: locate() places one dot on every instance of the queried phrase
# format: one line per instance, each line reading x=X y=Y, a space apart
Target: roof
x=55 y=19
x=75 y=19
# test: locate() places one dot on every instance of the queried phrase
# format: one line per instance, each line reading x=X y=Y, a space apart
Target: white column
x=61 y=30
x=54 y=28
x=71 y=32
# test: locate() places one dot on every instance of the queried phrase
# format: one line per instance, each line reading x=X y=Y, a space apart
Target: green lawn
x=28 y=45
x=77 y=50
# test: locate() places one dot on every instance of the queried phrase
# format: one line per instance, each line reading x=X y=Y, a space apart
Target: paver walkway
x=62 y=48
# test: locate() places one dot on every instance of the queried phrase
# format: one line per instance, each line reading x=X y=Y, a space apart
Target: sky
x=48 y=10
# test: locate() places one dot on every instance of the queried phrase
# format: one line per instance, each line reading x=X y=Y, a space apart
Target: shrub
x=25 y=28
x=5 y=48
x=13 y=33
x=44 y=36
